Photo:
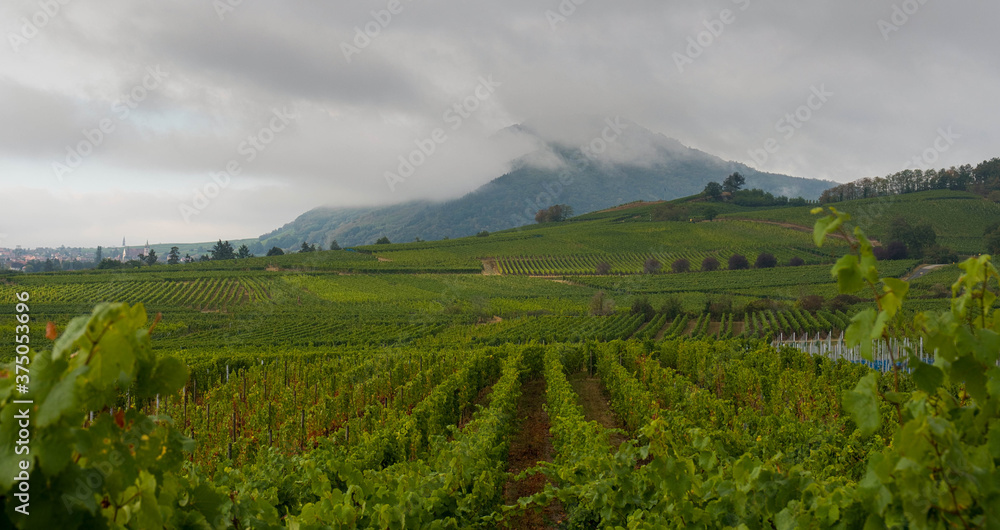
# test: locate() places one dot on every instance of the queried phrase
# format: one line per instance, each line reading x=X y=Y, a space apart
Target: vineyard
x=633 y=263
x=959 y=218
x=414 y=395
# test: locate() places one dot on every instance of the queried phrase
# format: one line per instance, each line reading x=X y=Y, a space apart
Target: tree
x=174 y=256
x=383 y=241
x=710 y=213
x=603 y=268
x=738 y=262
x=204 y=257
x=897 y=250
x=651 y=266
x=188 y=258
x=554 y=214
x=713 y=190
x=681 y=265
x=99 y=255
x=733 y=183
x=151 y=258
x=484 y=233
x=244 y=252
x=641 y=306
x=108 y=263
x=812 y=303
x=766 y=260
x=672 y=307
x=223 y=250
x=305 y=247
x=275 y=251
x=796 y=262
x=601 y=305
x=916 y=238
x=334 y=245
x=709 y=264
x=940 y=254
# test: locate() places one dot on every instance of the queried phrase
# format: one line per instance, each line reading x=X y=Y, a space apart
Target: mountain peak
x=588 y=162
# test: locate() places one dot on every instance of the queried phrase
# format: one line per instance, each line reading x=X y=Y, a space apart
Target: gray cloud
x=357 y=117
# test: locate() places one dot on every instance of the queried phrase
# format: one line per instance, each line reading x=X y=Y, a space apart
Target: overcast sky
x=180 y=86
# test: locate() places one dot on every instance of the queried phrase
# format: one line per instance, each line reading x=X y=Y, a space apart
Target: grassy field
x=959 y=218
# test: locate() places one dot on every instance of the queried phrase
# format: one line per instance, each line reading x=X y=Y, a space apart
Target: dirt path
x=531 y=445
x=595 y=406
x=642 y=327
x=663 y=330
x=920 y=271
x=490 y=268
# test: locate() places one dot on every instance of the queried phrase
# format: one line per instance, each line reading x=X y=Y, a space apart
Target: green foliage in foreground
x=127 y=470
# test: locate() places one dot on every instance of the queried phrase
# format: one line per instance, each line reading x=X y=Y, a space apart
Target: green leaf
x=785 y=520
x=897 y=397
x=993 y=381
x=987 y=348
x=113 y=360
x=61 y=399
x=54 y=450
x=168 y=377
x=895 y=293
x=927 y=376
x=66 y=343
x=862 y=404
x=864 y=328
x=847 y=270
x=824 y=226
x=994 y=439
x=972 y=373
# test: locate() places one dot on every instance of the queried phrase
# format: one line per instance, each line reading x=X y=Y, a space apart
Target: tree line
x=983 y=179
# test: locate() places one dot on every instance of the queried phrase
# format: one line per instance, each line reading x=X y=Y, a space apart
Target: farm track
x=531 y=445
x=664 y=329
x=641 y=328
x=921 y=271
x=591 y=398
